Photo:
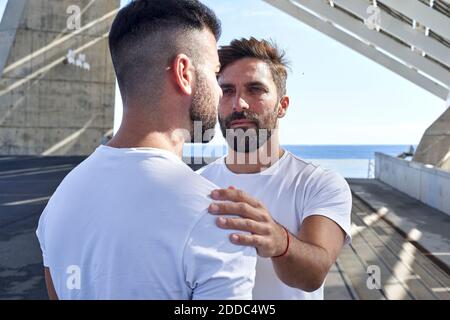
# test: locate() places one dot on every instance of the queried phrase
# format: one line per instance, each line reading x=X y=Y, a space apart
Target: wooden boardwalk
x=405 y=272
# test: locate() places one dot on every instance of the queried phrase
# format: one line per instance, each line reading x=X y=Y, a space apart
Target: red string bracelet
x=287 y=246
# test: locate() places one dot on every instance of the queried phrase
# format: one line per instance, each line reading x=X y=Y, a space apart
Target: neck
x=136 y=133
x=256 y=161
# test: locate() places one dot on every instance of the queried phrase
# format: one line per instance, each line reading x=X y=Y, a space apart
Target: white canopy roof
x=409 y=37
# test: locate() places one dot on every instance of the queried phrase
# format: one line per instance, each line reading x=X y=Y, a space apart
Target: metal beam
x=400 y=30
x=422 y=13
x=360 y=47
x=376 y=38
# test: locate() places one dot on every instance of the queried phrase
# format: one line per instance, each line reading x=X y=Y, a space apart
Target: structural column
x=57 y=86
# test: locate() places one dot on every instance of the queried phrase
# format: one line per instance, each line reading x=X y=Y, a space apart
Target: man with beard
x=296 y=214
x=131 y=221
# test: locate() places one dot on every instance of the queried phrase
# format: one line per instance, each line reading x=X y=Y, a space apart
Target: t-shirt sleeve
x=40 y=233
x=215 y=268
x=328 y=194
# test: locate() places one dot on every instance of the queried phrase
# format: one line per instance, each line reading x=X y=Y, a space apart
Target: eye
x=256 y=90
x=227 y=91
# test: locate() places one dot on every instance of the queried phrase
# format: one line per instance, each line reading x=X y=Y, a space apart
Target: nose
x=239 y=104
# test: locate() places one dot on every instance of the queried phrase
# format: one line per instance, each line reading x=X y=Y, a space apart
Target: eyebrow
x=227 y=85
x=255 y=83
x=248 y=84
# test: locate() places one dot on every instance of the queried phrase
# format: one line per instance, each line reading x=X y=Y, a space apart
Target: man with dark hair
x=149 y=35
x=131 y=221
x=296 y=214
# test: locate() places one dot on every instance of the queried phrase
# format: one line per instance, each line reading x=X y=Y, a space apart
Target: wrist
x=287 y=242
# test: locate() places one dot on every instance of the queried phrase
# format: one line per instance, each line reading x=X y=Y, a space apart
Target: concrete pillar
x=52 y=103
x=434 y=148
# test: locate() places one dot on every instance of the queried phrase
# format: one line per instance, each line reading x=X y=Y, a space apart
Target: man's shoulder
x=311 y=174
x=294 y=162
x=325 y=182
x=324 y=176
x=292 y=167
x=197 y=179
x=214 y=166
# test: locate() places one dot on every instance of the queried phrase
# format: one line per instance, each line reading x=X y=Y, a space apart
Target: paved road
x=25 y=185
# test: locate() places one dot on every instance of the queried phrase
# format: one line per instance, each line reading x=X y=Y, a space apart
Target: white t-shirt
x=291 y=189
x=133 y=224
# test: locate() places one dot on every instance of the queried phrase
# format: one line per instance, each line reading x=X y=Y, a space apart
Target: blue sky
x=2 y=6
x=337 y=96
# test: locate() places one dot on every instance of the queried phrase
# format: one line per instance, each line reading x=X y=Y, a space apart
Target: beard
x=202 y=111
x=246 y=140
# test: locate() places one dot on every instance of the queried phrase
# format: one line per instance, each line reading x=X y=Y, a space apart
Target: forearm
x=49 y=283
x=309 y=257
x=304 y=266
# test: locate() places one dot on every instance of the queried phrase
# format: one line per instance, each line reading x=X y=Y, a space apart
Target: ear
x=183 y=73
x=284 y=105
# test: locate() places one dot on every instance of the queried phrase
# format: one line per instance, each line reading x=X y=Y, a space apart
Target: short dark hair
x=263 y=50
x=143 y=38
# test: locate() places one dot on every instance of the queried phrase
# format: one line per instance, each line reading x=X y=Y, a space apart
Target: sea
x=351 y=161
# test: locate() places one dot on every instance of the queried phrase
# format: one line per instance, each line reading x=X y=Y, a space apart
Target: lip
x=241 y=123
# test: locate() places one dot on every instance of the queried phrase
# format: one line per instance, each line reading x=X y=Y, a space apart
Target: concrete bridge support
x=57 y=86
